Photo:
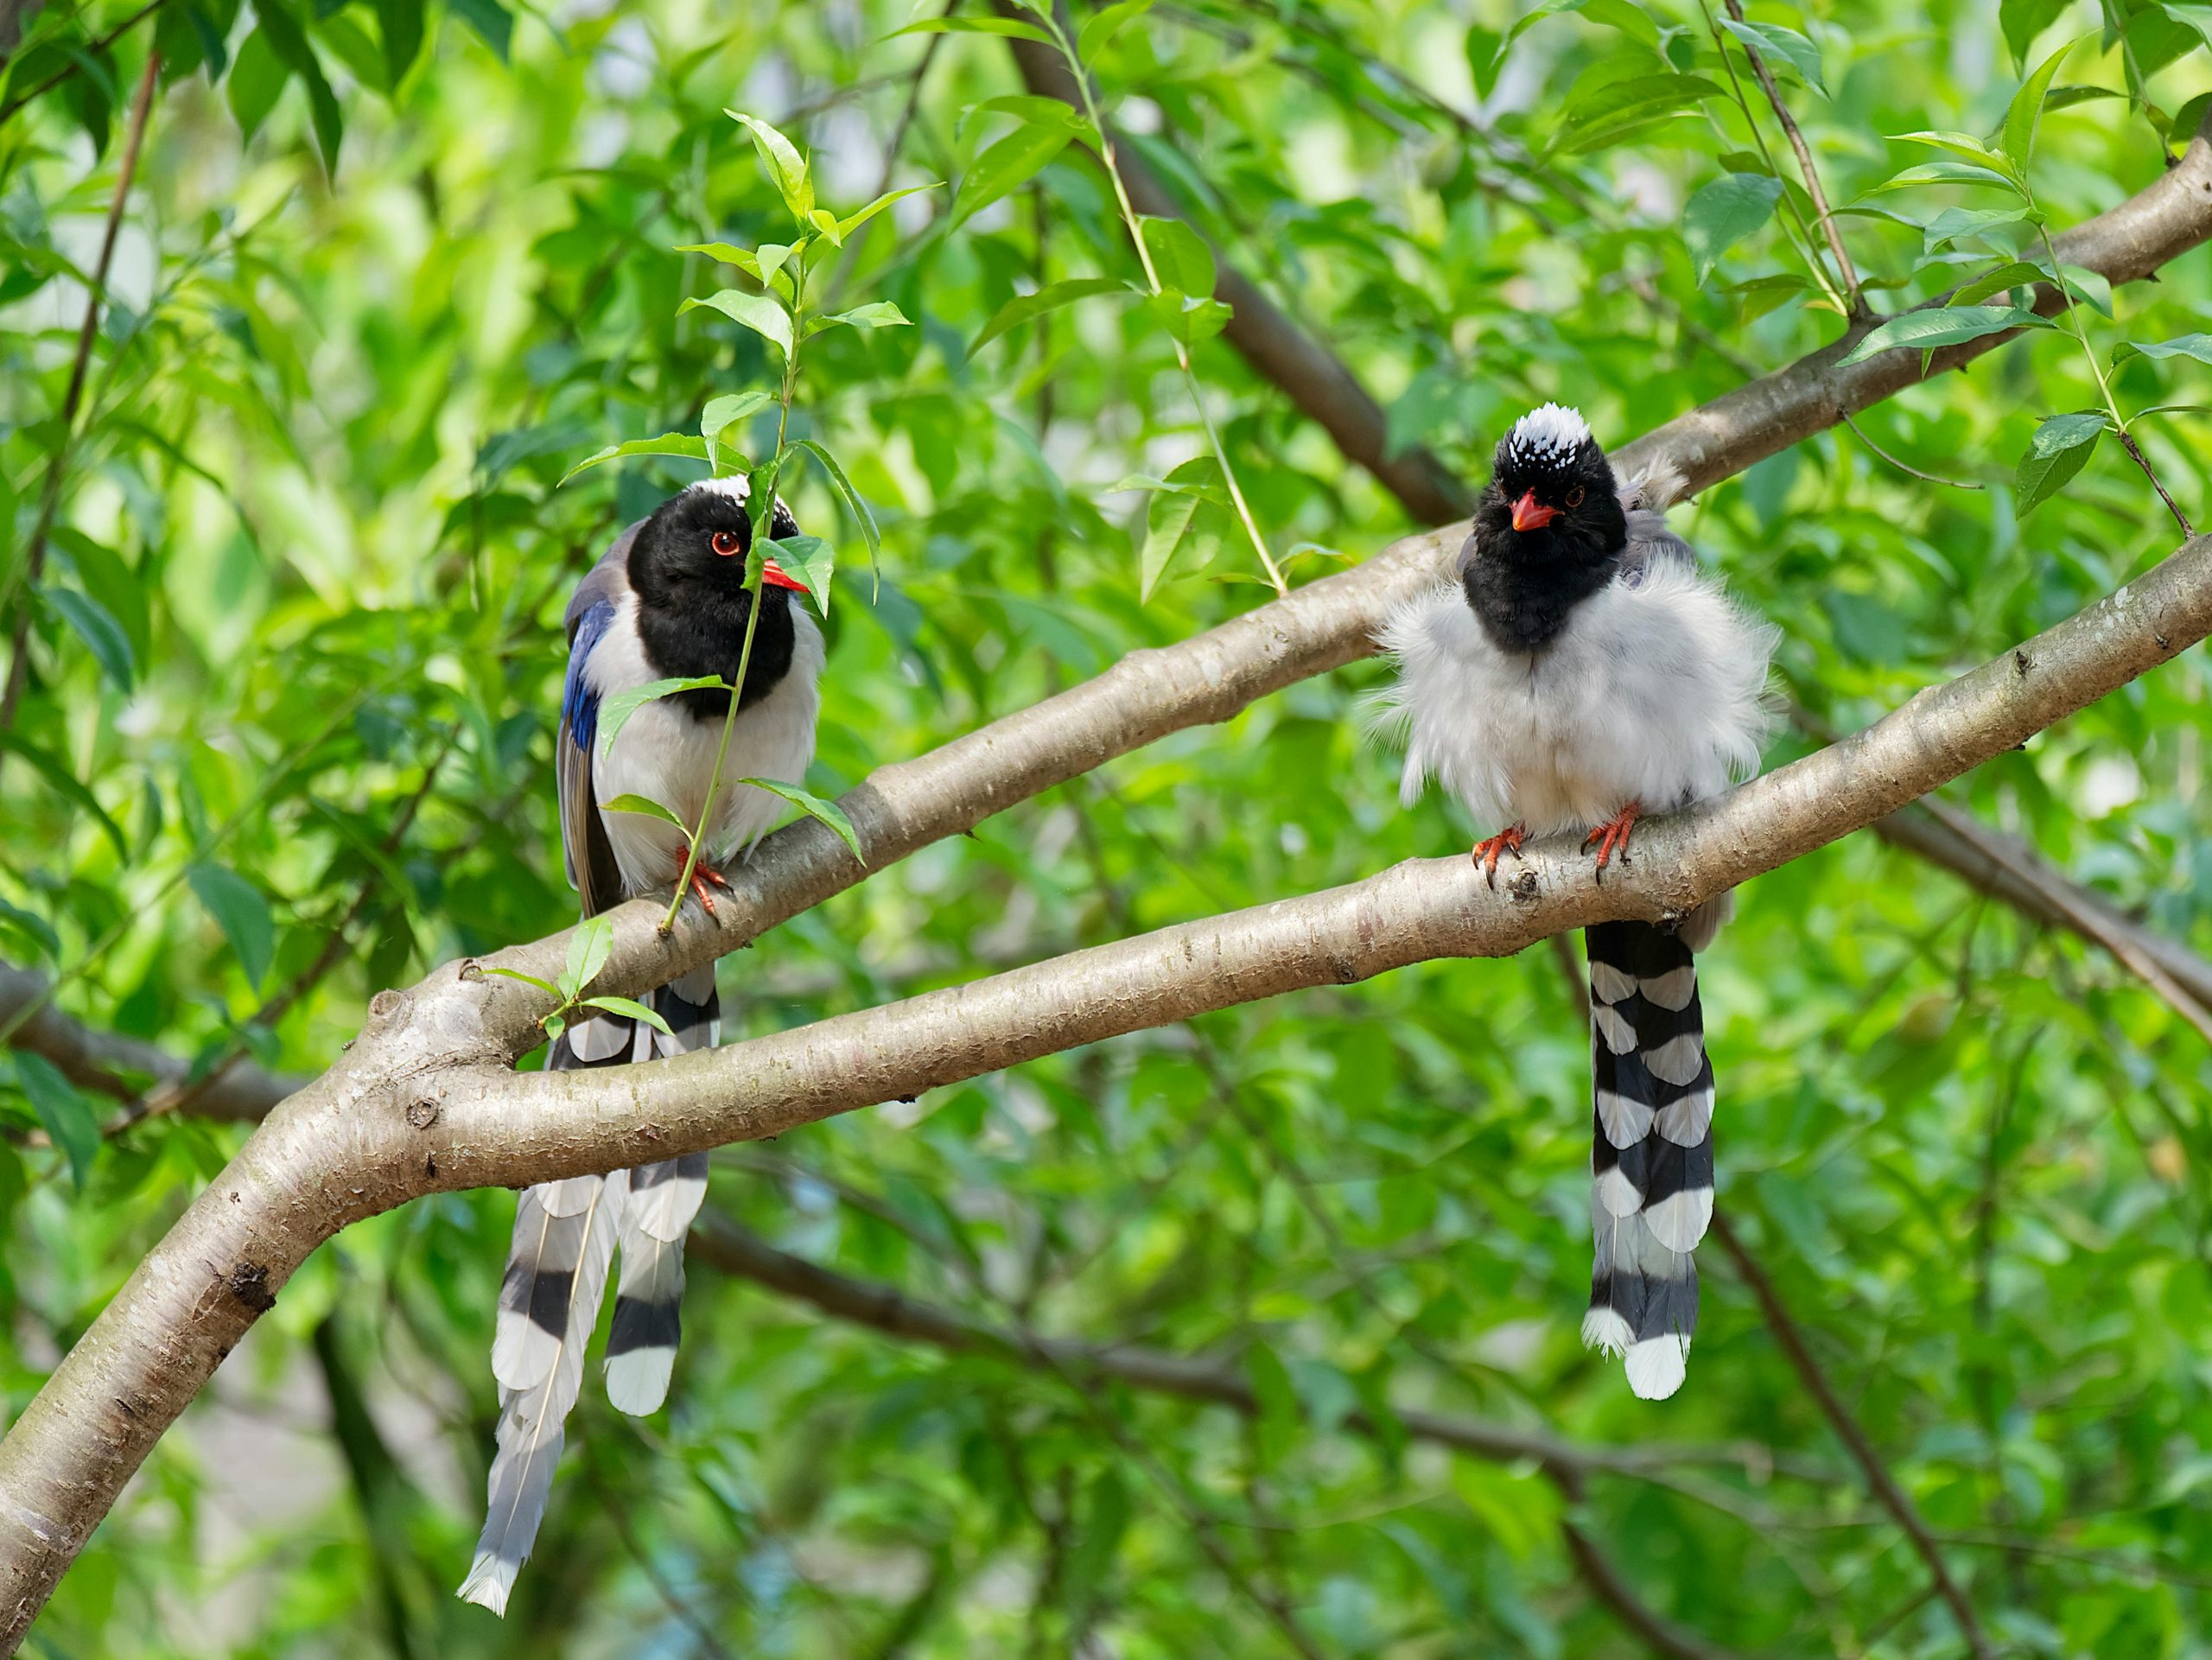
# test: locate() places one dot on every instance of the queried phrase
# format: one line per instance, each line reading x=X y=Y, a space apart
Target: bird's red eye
x=725 y=543
x=1574 y=497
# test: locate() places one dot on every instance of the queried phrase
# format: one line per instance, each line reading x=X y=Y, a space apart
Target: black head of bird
x=686 y=567
x=1548 y=529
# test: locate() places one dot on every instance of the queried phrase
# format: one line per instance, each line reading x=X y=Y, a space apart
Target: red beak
x=1530 y=515
x=775 y=576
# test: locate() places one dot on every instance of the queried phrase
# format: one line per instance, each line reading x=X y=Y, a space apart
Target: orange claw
x=1611 y=836
x=701 y=876
x=1506 y=841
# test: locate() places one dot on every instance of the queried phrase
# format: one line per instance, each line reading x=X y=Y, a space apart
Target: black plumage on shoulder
x=1549 y=530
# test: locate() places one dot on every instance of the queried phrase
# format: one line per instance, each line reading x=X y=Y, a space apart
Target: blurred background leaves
x=386 y=272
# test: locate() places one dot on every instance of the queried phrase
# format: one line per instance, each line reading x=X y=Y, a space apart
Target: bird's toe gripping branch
x=1611 y=836
x=1508 y=840
x=703 y=875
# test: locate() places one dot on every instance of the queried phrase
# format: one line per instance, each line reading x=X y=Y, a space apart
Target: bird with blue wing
x=668 y=601
x=1581 y=671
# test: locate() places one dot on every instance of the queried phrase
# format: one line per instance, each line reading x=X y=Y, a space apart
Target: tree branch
x=424 y=1101
x=1892 y=1496
x=1316 y=380
x=723 y=1244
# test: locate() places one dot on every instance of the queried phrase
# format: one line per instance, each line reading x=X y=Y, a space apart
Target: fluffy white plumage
x=665 y=755
x=1653 y=692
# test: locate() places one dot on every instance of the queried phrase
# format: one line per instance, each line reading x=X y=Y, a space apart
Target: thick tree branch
x=423 y=1103
x=424 y=1100
x=122 y=1067
x=723 y=1244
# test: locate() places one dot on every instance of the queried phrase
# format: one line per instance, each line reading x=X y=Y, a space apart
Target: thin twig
x=1855 y=297
x=77 y=59
x=50 y=497
x=1878 y=1479
x=1902 y=465
x=2128 y=441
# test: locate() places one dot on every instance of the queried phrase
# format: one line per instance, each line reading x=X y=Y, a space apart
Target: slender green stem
x=2072 y=313
x=1152 y=277
x=763 y=514
x=1807 y=249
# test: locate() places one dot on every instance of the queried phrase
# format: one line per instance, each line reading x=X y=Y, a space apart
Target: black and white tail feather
x=567 y=1233
x=1653 y=691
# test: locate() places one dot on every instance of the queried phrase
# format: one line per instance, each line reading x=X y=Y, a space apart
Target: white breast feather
x=1653 y=692
x=667 y=755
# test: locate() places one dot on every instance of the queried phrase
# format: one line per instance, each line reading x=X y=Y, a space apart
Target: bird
x=1580 y=672
x=667 y=600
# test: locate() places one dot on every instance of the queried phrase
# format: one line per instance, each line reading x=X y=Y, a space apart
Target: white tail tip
x=1657 y=1366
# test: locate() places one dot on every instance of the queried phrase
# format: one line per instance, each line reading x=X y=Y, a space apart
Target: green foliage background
x=387 y=273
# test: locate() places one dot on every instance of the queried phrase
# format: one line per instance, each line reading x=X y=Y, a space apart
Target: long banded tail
x=664 y=1198
x=1652 y=1150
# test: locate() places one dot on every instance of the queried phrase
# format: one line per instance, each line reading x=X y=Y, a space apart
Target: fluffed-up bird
x=667 y=600
x=1581 y=672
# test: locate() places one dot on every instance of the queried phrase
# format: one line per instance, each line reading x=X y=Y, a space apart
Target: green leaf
x=589 y=946
x=2197 y=17
x=1190 y=319
x=66 y=1113
x=1724 y=213
x=634 y=1008
x=2091 y=287
x=853 y=222
x=1005 y=26
x=289 y=43
x=33 y=927
x=878 y=313
x=724 y=412
x=493 y=23
x=2018 y=274
x=1180 y=254
x=807 y=559
x=1097 y=1544
x=785 y=167
x=1928 y=329
x=853 y=501
x=1027 y=308
x=2026 y=111
x=1105 y=24
x=1962 y=144
x=758 y=312
x=1166 y=521
x=1600 y=114
x=770 y=257
x=1954 y=224
x=815 y=807
x=729 y=254
x=545 y=986
x=239 y=910
x=1631 y=20
x=102 y=633
x=2024 y=20
x=1948 y=173
x=65 y=783
x=1033 y=107
x=647 y=807
x=616 y=707
x=1773 y=40
x=1523 y=25
x=669 y=443
x=2061 y=447
x=2186 y=345
x=1006 y=165
x=400 y=24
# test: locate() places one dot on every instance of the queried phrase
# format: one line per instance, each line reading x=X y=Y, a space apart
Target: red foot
x=1611 y=836
x=1506 y=841
x=701 y=876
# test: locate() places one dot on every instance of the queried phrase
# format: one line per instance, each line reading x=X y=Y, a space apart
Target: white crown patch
x=1553 y=433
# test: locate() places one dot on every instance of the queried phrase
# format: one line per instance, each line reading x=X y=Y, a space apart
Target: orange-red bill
x=776 y=577
x=1528 y=514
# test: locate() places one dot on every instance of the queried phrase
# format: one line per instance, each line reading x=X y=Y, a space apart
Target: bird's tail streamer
x=664 y=1198
x=555 y=1278
x=1652 y=1150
